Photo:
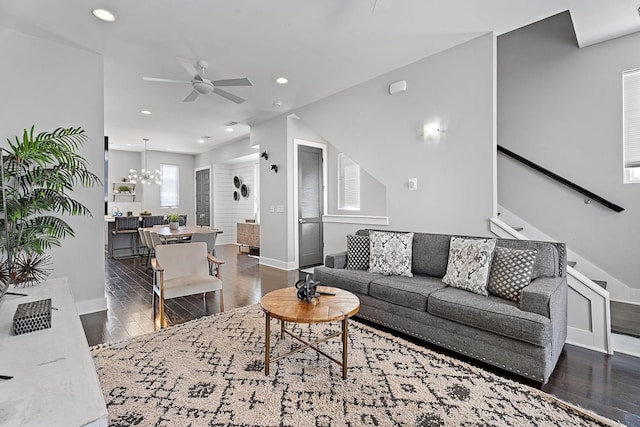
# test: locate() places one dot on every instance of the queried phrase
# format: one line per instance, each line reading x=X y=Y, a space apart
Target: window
x=348 y=184
x=170 y=188
x=631 y=125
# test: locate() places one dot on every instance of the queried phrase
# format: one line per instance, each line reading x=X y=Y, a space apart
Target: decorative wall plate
x=236 y=196
x=236 y=182
x=244 y=190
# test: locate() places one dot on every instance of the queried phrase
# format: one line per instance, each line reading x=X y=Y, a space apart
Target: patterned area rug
x=210 y=372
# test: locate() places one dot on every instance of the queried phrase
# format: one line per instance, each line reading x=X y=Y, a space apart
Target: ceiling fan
x=203 y=86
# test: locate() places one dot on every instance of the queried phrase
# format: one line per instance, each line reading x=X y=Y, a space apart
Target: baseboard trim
x=91 y=306
x=626 y=344
x=281 y=265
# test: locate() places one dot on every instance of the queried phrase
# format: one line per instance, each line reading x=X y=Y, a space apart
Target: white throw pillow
x=390 y=253
x=469 y=264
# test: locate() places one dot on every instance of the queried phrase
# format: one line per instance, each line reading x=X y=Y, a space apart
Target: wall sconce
x=431 y=131
x=274 y=168
x=265 y=155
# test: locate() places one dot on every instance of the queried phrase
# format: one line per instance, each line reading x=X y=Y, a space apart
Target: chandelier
x=145 y=176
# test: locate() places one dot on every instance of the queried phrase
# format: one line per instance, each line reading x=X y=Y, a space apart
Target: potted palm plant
x=38 y=174
x=174 y=221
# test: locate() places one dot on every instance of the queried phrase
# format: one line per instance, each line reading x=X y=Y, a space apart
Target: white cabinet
x=54 y=377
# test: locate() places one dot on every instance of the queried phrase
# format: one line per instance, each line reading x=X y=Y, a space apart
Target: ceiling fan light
x=203 y=87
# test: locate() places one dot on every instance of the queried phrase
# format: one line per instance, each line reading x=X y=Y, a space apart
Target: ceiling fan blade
x=154 y=79
x=229 y=96
x=191 y=97
x=232 y=82
x=189 y=66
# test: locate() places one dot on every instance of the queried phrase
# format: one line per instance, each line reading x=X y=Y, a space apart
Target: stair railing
x=589 y=196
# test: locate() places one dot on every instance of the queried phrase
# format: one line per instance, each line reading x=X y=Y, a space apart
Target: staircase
x=587 y=296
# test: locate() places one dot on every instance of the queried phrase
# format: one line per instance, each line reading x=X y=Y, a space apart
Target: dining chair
x=182 y=270
x=208 y=238
x=154 y=239
x=144 y=250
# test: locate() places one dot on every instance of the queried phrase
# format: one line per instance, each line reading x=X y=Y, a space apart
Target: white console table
x=54 y=379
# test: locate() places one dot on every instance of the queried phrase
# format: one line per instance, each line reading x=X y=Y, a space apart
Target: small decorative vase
x=174 y=225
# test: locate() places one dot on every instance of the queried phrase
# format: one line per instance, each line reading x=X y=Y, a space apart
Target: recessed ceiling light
x=228 y=129
x=169 y=149
x=201 y=141
x=277 y=103
x=147 y=112
x=103 y=15
x=282 y=80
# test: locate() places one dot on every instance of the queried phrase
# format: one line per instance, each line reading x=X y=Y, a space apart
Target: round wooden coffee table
x=282 y=304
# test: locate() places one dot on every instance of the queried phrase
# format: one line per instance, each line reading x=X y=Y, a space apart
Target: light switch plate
x=280 y=208
x=272 y=208
x=413 y=184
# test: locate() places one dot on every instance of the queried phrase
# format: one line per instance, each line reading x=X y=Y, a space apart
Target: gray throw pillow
x=469 y=264
x=390 y=253
x=357 y=252
x=511 y=271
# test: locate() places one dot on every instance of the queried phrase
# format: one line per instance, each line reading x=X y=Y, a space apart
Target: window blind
x=348 y=184
x=631 y=118
x=170 y=188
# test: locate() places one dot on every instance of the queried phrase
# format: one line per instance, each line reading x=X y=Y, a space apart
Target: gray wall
x=383 y=133
x=63 y=102
x=274 y=230
x=561 y=107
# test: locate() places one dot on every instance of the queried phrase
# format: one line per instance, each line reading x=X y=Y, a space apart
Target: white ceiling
x=321 y=46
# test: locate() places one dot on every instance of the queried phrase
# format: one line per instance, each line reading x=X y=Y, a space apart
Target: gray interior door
x=203 y=197
x=310 y=196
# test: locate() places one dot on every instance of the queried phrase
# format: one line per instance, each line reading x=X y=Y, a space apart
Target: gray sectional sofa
x=525 y=338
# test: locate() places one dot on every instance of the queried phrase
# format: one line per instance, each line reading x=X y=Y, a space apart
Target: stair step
x=571 y=263
x=625 y=318
x=601 y=283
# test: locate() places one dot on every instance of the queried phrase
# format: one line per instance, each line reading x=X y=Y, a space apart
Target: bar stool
x=126 y=225
x=151 y=220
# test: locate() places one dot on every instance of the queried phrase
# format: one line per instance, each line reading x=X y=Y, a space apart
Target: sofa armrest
x=545 y=296
x=337 y=260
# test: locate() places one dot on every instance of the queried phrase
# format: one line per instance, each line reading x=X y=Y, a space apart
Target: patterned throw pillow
x=511 y=271
x=357 y=252
x=390 y=253
x=469 y=263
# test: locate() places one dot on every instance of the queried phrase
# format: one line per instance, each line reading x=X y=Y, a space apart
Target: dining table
x=184 y=231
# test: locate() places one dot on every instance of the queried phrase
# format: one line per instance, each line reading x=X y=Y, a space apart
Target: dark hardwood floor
x=607 y=385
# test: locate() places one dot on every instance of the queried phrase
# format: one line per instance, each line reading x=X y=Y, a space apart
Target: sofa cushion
x=409 y=292
x=469 y=264
x=510 y=272
x=492 y=314
x=356 y=281
x=547 y=258
x=357 y=252
x=430 y=254
x=390 y=253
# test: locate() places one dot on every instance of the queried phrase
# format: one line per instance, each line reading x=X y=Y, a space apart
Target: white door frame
x=195 y=199
x=297 y=142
